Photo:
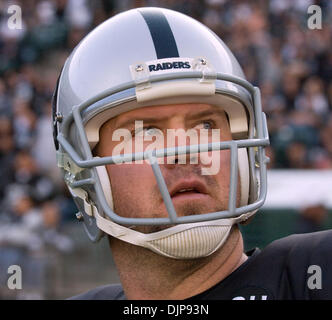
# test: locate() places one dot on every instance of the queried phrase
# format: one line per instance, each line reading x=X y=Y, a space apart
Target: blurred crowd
x=291 y=63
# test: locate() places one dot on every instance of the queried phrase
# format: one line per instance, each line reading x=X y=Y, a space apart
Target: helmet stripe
x=161 y=33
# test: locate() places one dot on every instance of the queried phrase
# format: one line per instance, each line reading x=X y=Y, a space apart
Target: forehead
x=167 y=112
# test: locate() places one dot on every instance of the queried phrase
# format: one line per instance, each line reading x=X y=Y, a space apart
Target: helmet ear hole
x=80 y=197
x=106 y=185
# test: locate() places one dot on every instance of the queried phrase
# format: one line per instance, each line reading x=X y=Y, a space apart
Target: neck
x=146 y=275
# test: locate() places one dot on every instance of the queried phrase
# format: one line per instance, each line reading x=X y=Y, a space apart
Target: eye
x=150 y=131
x=206 y=124
x=146 y=131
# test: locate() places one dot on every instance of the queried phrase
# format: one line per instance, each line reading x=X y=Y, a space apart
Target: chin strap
x=182 y=241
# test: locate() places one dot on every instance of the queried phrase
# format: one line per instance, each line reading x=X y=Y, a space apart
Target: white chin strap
x=183 y=241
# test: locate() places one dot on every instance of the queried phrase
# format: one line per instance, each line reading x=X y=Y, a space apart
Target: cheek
x=223 y=174
x=134 y=189
x=131 y=178
x=216 y=163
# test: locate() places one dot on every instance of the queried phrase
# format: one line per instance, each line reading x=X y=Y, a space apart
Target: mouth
x=189 y=190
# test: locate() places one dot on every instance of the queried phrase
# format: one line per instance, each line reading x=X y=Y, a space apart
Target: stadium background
x=279 y=53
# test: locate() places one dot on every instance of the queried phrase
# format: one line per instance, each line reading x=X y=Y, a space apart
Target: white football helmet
x=146 y=57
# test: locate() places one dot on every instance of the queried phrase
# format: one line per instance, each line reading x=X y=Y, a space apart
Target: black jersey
x=295 y=267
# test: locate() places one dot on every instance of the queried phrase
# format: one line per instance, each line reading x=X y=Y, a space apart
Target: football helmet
x=147 y=57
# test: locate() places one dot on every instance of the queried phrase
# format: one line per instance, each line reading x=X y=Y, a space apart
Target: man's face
x=134 y=187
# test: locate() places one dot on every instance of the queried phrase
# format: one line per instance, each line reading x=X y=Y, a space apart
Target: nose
x=180 y=138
